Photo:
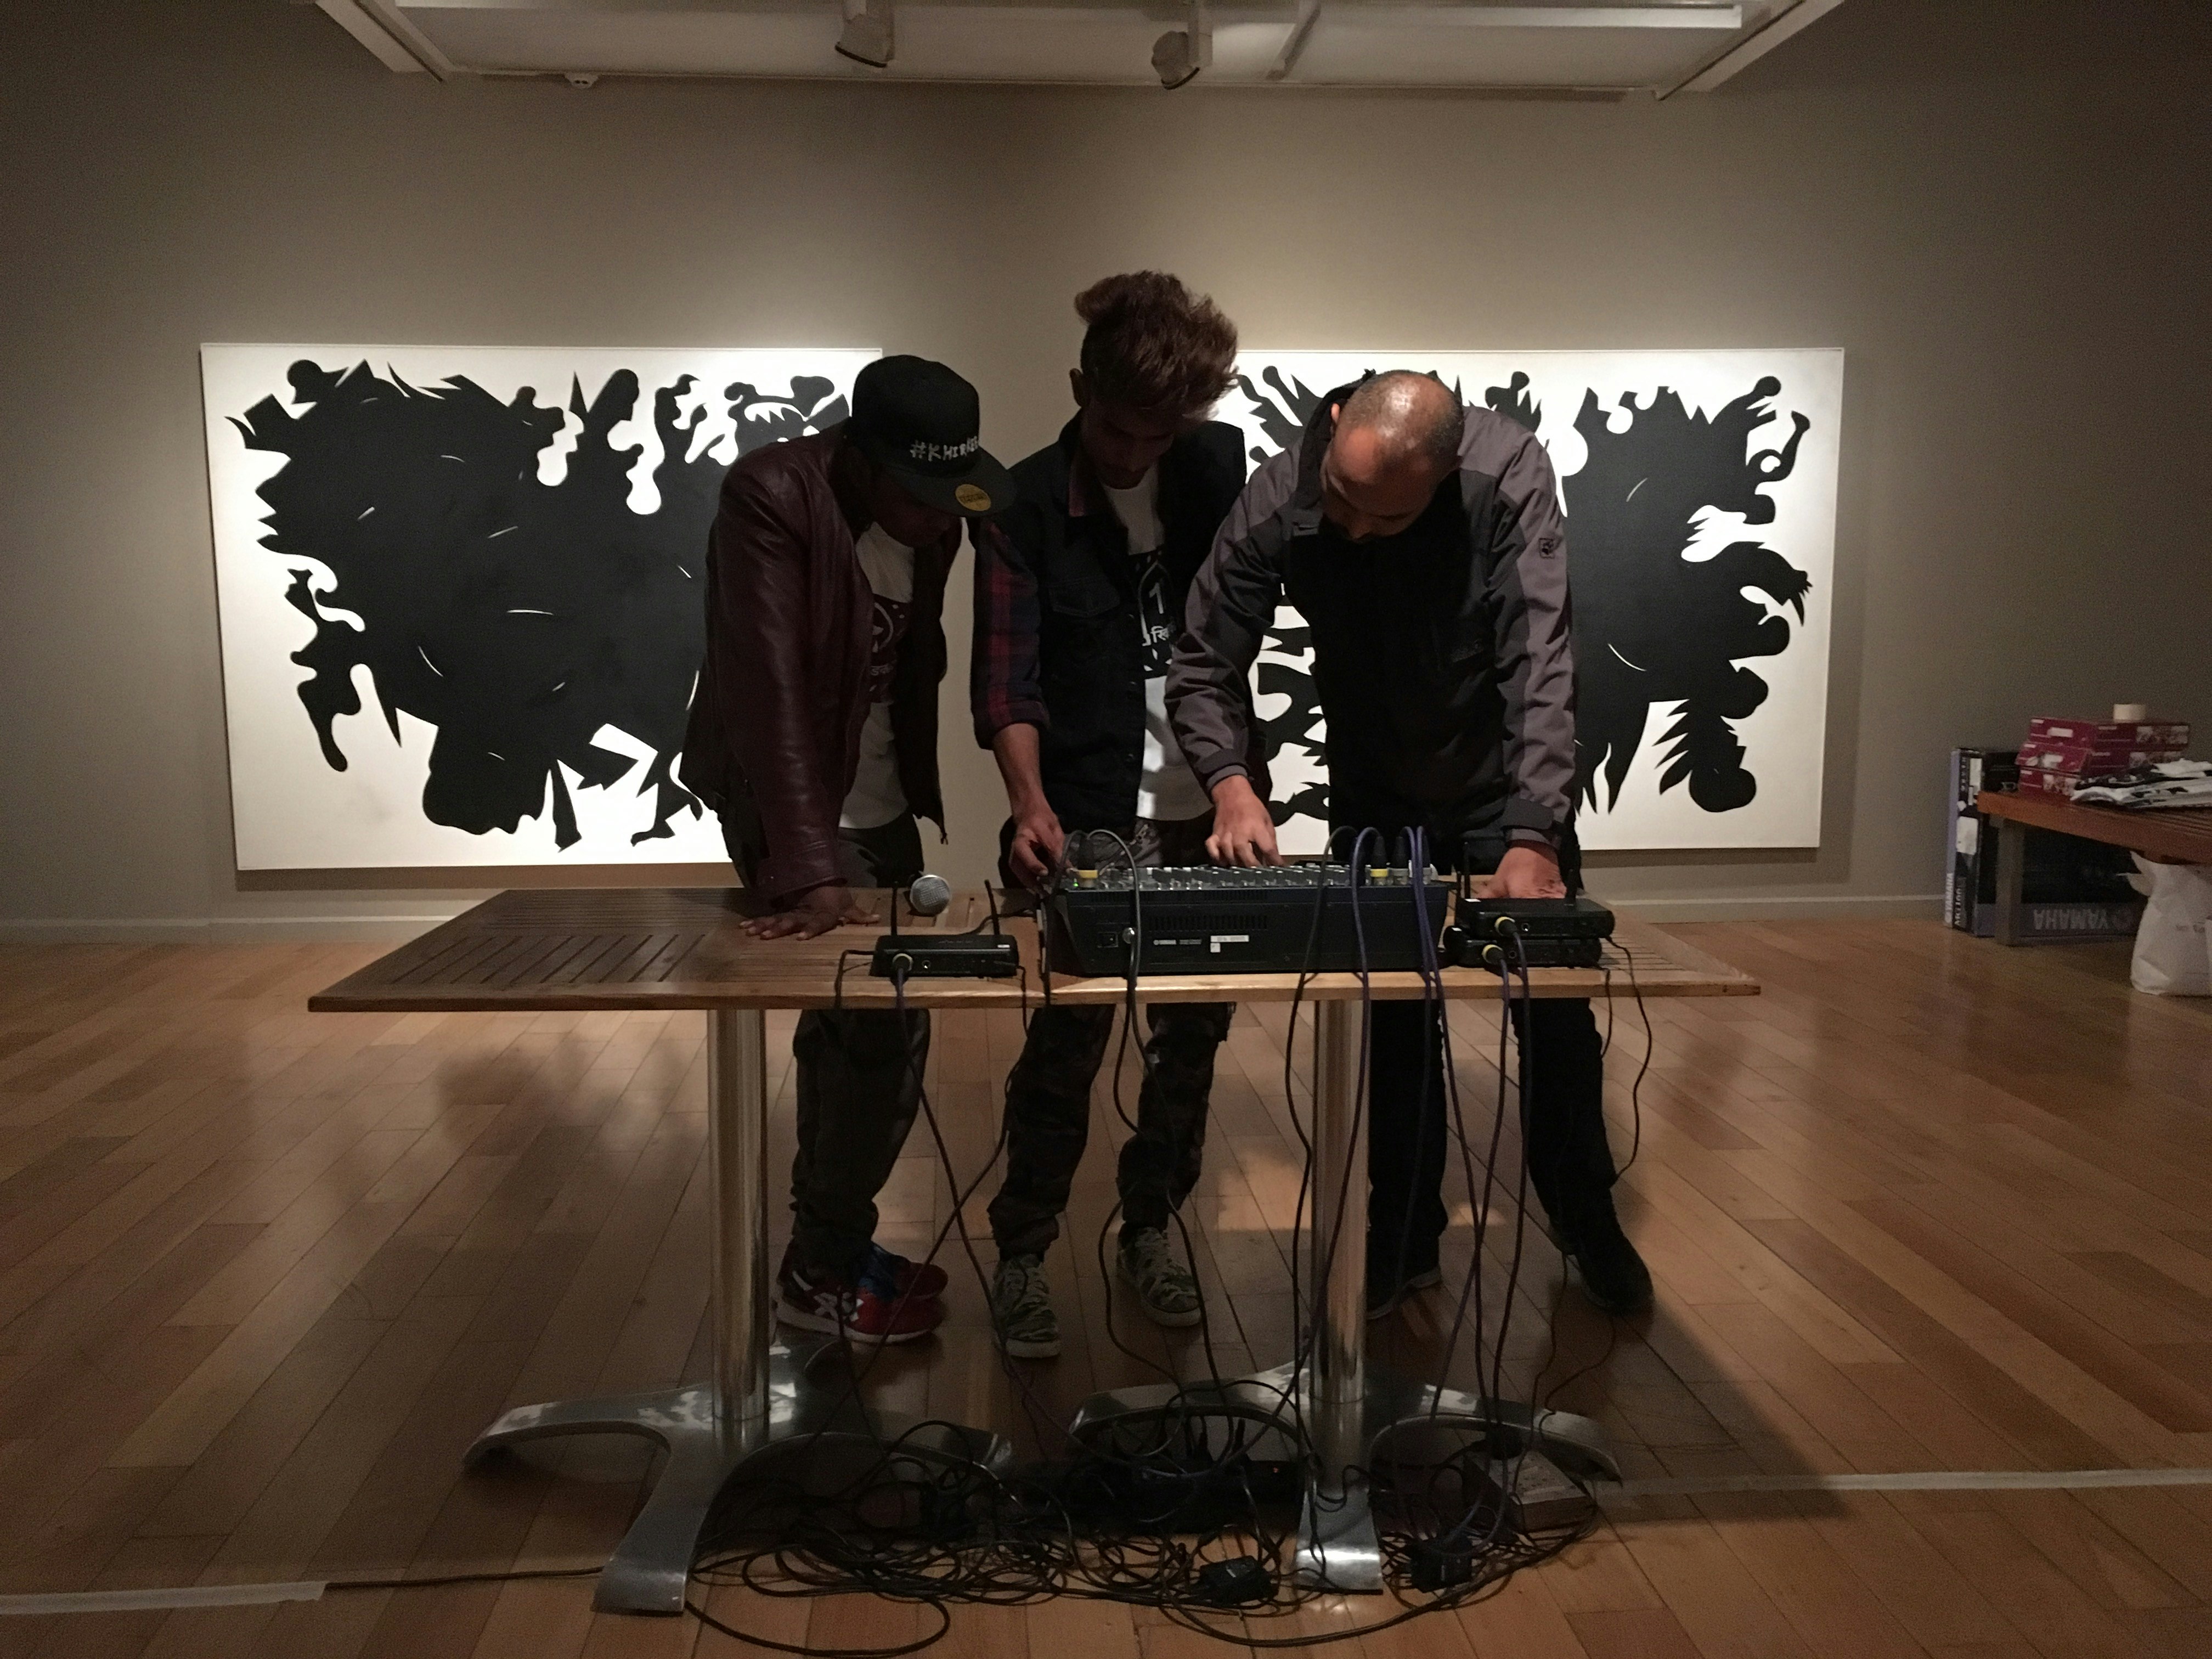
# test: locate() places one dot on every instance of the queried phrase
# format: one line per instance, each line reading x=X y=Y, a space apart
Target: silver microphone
x=928 y=895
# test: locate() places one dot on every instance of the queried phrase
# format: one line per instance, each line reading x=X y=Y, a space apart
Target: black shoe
x=1614 y=1277
x=1389 y=1282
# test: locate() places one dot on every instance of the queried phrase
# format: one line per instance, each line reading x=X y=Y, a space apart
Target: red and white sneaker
x=869 y=1309
x=907 y=1278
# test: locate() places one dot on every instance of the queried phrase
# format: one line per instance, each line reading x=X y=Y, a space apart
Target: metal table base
x=770 y=1410
x=818 y=1434
x=1336 y=1415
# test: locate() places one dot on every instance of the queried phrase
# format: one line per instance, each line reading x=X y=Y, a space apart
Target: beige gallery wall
x=1996 y=207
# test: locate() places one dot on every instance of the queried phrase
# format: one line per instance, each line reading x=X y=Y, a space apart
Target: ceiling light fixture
x=1179 y=54
x=867 y=35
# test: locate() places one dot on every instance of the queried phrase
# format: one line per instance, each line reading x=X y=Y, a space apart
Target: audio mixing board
x=1285 y=918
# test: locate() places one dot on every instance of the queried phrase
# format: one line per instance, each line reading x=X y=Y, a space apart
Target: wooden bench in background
x=2176 y=835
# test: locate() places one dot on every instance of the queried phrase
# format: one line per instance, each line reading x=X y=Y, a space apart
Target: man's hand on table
x=1244 y=830
x=814 y=912
x=1527 y=872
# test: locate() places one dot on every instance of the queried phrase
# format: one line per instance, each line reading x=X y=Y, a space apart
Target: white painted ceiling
x=1547 y=46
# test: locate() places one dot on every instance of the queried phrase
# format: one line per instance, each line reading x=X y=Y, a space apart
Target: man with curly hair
x=1080 y=593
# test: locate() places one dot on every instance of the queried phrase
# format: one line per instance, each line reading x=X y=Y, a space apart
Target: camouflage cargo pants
x=1048 y=1095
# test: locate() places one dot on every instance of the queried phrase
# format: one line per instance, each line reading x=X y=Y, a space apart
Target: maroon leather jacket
x=782 y=697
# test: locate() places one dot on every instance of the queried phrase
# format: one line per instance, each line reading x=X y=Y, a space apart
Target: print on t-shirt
x=1166 y=786
x=888 y=627
x=1152 y=613
x=876 y=797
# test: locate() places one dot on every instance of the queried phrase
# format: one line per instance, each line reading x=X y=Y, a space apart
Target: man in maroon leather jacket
x=813 y=734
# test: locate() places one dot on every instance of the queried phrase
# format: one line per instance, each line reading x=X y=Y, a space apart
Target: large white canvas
x=1675 y=554
x=621 y=535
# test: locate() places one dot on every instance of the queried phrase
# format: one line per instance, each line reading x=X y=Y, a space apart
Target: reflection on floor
x=1928 y=1203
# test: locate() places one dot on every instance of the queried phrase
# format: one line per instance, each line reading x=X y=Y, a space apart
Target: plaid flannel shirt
x=1004 y=689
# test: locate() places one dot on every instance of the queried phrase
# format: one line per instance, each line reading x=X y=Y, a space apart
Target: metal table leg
x=1336 y=1546
x=2012 y=876
x=766 y=1410
x=1341 y=1416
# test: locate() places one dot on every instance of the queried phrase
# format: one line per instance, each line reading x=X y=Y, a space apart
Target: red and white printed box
x=2033 y=781
x=2124 y=735
x=2091 y=759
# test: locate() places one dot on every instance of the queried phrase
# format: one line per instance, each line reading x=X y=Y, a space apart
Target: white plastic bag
x=2173 y=946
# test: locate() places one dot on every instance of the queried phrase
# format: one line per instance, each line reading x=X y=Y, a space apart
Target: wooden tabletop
x=683 y=947
x=2180 y=834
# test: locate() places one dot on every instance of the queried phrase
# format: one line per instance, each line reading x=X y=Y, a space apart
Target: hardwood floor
x=1928 y=1203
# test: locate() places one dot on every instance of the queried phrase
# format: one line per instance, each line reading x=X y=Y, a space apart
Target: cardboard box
x=2118 y=734
x=2091 y=759
x=2034 y=780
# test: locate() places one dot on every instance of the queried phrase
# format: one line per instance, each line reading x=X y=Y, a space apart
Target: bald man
x=1423 y=543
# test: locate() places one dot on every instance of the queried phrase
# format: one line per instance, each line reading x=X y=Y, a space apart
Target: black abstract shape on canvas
x=1652 y=626
x=1283 y=406
x=1296 y=732
x=1512 y=401
x=516 y=618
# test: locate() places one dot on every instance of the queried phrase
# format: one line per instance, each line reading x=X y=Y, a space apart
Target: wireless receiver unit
x=1503 y=934
x=942 y=955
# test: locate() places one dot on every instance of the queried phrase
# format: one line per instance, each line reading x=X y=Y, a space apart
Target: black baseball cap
x=921 y=423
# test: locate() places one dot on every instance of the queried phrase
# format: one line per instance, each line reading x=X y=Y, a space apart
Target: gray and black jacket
x=1441 y=655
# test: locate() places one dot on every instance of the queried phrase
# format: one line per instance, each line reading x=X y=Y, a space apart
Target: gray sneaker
x=1164 y=1287
x=1021 y=1309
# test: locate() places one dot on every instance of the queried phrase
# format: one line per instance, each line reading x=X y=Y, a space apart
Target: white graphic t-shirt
x=1166 y=786
x=876 y=798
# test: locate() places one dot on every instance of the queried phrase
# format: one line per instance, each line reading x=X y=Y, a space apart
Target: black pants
x=1408 y=1141
x=1408 y=1144
x=1048 y=1096
x=860 y=1070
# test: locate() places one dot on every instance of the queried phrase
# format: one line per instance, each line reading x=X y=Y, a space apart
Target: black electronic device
x=1283 y=919
x=1241 y=1580
x=1503 y=934
x=942 y=955
x=953 y=956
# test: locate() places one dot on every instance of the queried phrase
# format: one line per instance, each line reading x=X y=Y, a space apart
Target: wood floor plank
x=2049 y=1609
x=2164 y=1530
x=218 y=1490
x=2089 y=1346
x=1522 y=1619
x=783 y=1618
x=280 y=1532
x=1643 y=1633
x=2101 y=1563
x=549 y=1619
x=1977 y=1382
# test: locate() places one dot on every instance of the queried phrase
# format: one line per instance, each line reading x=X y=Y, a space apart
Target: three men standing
x=1125 y=577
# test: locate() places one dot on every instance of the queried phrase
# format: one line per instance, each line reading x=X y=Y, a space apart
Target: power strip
x=1536 y=1495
